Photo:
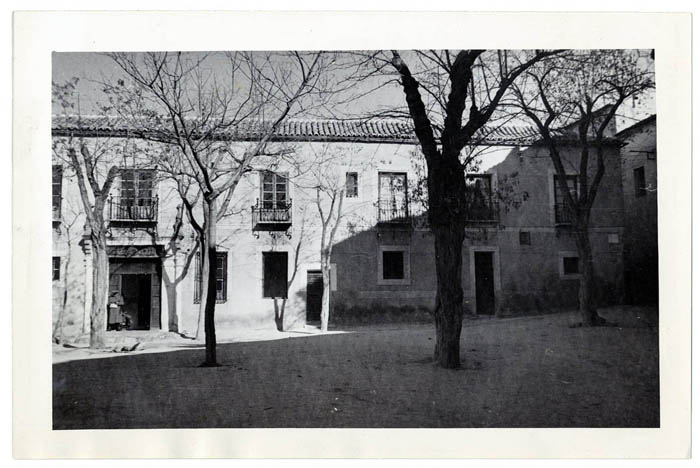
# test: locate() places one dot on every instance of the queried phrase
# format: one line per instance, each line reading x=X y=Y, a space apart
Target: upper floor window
x=561 y=215
x=393 y=197
x=274 y=190
x=351 y=189
x=56 y=191
x=640 y=184
x=480 y=202
x=221 y=277
x=137 y=200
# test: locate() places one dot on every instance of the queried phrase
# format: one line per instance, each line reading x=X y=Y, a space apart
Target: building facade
x=638 y=156
x=519 y=254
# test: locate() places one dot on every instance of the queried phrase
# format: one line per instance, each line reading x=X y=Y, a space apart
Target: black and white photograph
x=390 y=238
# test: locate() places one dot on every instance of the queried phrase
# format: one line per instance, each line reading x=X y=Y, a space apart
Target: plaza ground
x=519 y=372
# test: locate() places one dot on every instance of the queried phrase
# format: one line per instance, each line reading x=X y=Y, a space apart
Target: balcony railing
x=393 y=212
x=137 y=210
x=271 y=216
x=562 y=217
x=482 y=214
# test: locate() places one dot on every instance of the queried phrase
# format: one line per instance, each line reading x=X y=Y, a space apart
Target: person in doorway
x=115 y=318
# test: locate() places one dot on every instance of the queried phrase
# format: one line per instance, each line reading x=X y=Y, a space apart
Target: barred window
x=221 y=277
x=56 y=190
x=56 y=268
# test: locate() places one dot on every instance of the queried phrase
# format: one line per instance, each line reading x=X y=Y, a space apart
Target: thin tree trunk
x=203 y=285
x=209 y=326
x=448 y=307
x=100 y=281
x=326 y=297
x=586 y=299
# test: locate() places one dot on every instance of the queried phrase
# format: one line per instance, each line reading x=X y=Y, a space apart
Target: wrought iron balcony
x=482 y=214
x=272 y=215
x=391 y=212
x=562 y=216
x=133 y=210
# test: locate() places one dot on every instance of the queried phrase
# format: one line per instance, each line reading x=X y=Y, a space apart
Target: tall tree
x=577 y=96
x=438 y=87
x=92 y=162
x=180 y=99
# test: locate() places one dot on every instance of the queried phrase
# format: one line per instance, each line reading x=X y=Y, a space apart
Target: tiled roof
x=367 y=131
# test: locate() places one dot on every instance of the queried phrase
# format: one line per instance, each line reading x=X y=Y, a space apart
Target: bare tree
x=93 y=164
x=178 y=99
x=576 y=96
x=438 y=87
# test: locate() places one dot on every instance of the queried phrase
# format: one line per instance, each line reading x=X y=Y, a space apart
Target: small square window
x=351 y=189
x=56 y=268
x=524 y=237
x=571 y=265
x=392 y=265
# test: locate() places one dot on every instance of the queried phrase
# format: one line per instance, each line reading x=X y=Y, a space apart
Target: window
x=56 y=191
x=56 y=268
x=392 y=265
x=561 y=215
x=640 y=184
x=524 y=237
x=480 y=205
x=221 y=277
x=275 y=274
x=351 y=185
x=393 y=197
x=570 y=265
x=274 y=190
x=137 y=187
x=136 y=199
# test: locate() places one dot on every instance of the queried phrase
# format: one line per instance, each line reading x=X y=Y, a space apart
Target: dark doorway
x=136 y=293
x=483 y=278
x=275 y=274
x=314 y=295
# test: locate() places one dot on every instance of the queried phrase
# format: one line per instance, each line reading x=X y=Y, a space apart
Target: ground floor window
x=275 y=274
x=393 y=265
x=569 y=265
x=221 y=277
x=56 y=264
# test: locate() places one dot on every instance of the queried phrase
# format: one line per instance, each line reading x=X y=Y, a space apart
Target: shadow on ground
x=529 y=372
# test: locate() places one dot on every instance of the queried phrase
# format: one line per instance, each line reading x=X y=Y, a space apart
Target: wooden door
x=483 y=279
x=314 y=295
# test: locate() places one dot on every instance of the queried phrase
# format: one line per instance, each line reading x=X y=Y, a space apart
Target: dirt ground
x=521 y=372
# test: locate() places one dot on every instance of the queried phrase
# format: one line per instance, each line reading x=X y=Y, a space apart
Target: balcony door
x=274 y=191
x=136 y=194
x=393 y=196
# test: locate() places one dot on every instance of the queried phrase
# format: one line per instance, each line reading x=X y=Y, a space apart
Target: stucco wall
x=528 y=276
x=641 y=214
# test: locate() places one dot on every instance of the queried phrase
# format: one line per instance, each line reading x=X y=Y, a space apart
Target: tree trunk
x=209 y=326
x=100 y=288
x=448 y=304
x=326 y=297
x=586 y=299
x=203 y=285
x=447 y=215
